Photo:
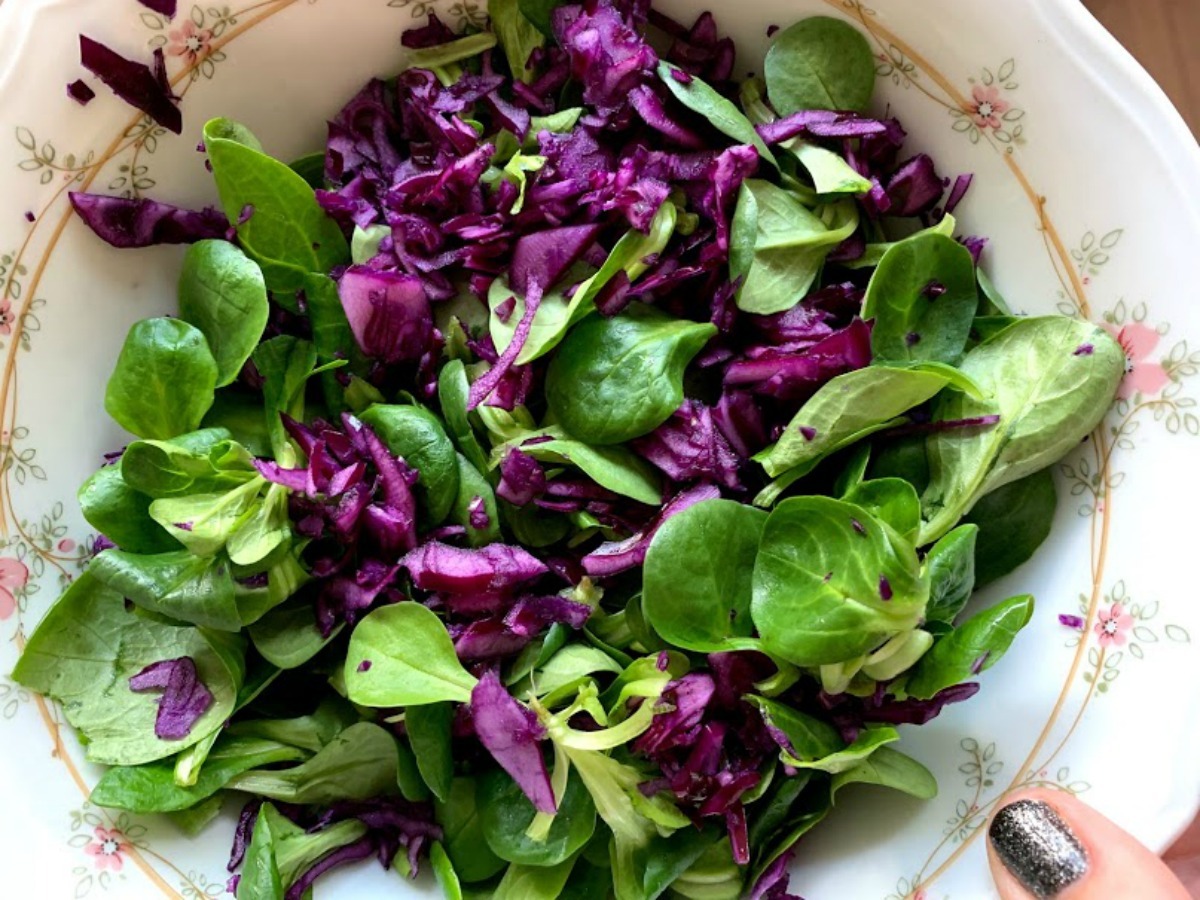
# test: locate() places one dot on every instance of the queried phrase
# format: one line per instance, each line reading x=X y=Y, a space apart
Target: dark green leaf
x=151 y=788
x=286 y=232
x=719 y=112
x=697 y=577
x=891 y=500
x=506 y=814
x=474 y=489
x=122 y=514
x=428 y=729
x=459 y=816
x=221 y=292
x=820 y=63
x=973 y=647
x=164 y=380
x=891 y=769
x=1013 y=522
x=616 y=379
x=288 y=636
x=951 y=567
x=417 y=435
x=832 y=582
x=83 y=654
x=180 y=585
x=911 y=323
x=453 y=391
x=360 y=763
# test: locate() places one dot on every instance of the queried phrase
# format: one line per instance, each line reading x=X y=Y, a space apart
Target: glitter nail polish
x=1038 y=847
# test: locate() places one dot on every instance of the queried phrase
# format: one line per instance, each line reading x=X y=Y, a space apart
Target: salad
x=569 y=480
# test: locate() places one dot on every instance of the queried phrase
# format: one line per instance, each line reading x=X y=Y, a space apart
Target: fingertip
x=1046 y=843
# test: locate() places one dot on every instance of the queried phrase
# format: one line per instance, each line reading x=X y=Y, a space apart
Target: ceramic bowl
x=1087 y=184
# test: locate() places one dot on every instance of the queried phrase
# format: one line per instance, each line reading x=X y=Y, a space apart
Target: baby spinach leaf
x=809 y=737
x=973 y=647
x=222 y=292
x=1013 y=522
x=451 y=52
x=616 y=468
x=719 y=112
x=281 y=851
x=845 y=410
x=278 y=220
x=951 y=567
x=151 y=788
x=417 y=435
x=453 y=392
x=1049 y=397
x=820 y=63
x=180 y=585
x=428 y=729
x=266 y=530
x=557 y=313
x=830 y=172
x=122 y=514
x=506 y=814
x=462 y=833
x=832 y=582
x=696 y=581
x=616 y=379
x=891 y=500
x=164 y=380
x=310 y=167
x=713 y=875
x=522 y=882
x=288 y=637
x=566 y=670
x=310 y=732
x=778 y=246
x=443 y=872
x=901 y=458
x=913 y=321
x=867 y=742
x=665 y=859
x=207 y=463
x=402 y=655
x=260 y=878
x=205 y=522
x=83 y=654
x=358 y=764
x=518 y=36
x=891 y=769
x=991 y=301
x=285 y=364
x=539 y=13
x=874 y=253
x=473 y=490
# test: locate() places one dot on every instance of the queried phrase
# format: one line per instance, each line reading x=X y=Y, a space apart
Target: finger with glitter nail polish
x=1050 y=846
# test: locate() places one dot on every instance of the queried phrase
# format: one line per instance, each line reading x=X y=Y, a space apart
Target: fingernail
x=1038 y=847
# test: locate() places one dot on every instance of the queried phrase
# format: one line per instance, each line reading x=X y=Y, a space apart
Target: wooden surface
x=1165 y=36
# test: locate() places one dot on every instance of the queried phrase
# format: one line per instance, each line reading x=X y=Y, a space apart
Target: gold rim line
x=61 y=753
x=39 y=271
x=59 y=749
x=1081 y=303
x=960 y=99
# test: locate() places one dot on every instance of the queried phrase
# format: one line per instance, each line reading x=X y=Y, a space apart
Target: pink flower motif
x=1112 y=626
x=13 y=576
x=107 y=849
x=66 y=545
x=6 y=317
x=190 y=40
x=1141 y=377
x=988 y=106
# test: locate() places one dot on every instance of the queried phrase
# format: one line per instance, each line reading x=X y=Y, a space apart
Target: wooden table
x=1165 y=36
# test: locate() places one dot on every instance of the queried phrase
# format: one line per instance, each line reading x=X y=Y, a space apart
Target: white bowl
x=1087 y=182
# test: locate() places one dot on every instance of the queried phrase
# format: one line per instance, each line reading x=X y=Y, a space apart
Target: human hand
x=1048 y=844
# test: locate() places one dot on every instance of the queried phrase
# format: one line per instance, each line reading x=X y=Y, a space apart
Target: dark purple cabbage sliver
x=133 y=82
x=512 y=733
x=162 y=7
x=185 y=698
x=79 y=91
x=127 y=223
